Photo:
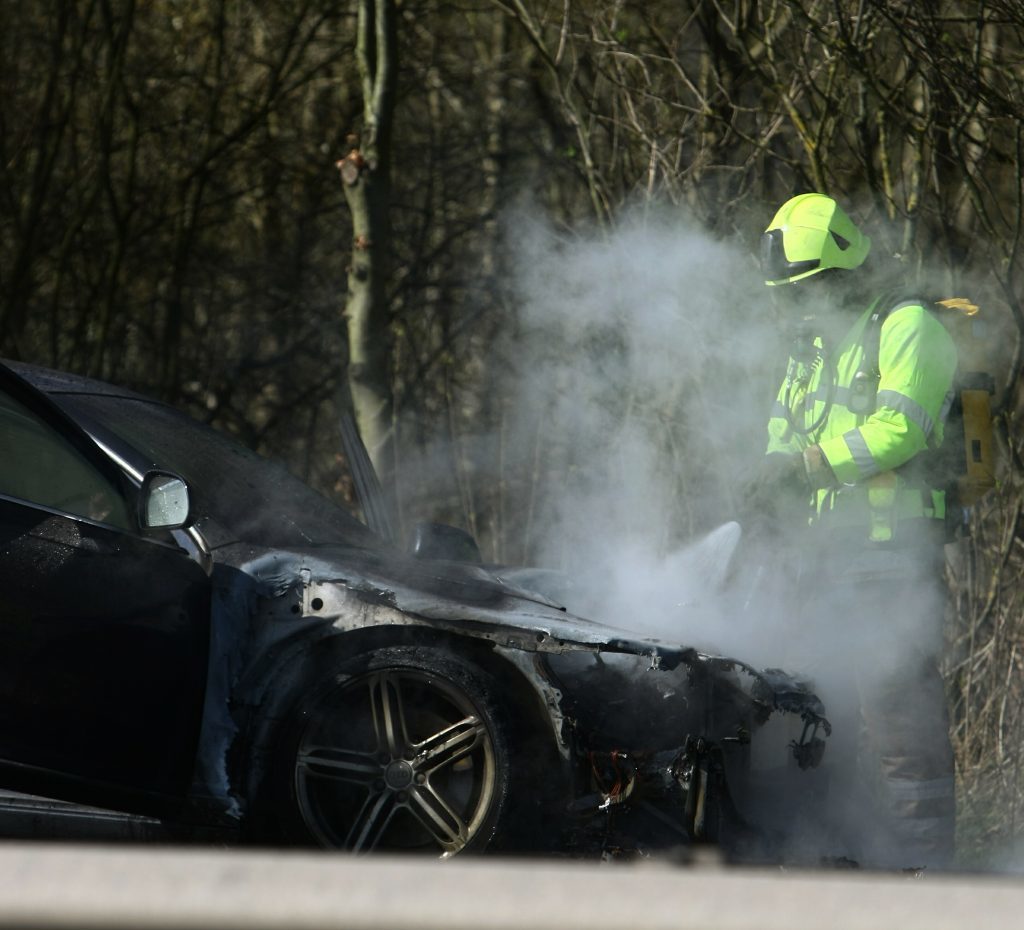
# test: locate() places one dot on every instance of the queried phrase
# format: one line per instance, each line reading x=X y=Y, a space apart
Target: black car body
x=268 y=668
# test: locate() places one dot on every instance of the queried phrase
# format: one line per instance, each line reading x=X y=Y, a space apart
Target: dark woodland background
x=173 y=219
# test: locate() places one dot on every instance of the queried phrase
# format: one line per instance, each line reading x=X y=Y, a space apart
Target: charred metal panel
x=682 y=718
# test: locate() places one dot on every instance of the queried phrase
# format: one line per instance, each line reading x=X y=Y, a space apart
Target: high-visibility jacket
x=868 y=452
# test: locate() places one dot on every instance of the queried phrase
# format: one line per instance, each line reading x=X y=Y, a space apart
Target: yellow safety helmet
x=810 y=233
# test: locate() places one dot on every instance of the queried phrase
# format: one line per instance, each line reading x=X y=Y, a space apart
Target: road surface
x=56 y=886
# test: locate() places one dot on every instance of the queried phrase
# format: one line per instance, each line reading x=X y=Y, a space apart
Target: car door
x=104 y=630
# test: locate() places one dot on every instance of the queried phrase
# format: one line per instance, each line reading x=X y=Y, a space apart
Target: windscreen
x=252 y=498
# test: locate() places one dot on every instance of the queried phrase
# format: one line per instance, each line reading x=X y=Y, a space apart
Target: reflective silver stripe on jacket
x=909 y=407
x=947 y=403
x=861 y=454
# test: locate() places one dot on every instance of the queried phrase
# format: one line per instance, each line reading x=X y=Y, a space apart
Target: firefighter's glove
x=817 y=471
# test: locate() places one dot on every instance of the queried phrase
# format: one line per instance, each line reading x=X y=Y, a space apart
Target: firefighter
x=866 y=392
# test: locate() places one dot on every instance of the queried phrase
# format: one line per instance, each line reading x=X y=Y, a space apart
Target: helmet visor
x=774 y=264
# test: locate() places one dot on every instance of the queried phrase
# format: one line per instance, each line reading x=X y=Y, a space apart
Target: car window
x=253 y=498
x=39 y=465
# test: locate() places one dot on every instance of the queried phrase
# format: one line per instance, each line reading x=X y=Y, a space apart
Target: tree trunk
x=365 y=176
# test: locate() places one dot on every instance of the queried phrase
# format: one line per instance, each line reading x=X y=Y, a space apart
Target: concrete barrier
x=50 y=886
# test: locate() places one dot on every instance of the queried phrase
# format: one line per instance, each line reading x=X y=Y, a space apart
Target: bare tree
x=365 y=173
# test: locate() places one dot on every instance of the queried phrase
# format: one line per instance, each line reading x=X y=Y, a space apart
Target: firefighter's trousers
x=882 y=611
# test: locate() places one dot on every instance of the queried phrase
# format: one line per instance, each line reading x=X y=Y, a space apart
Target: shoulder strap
x=888 y=303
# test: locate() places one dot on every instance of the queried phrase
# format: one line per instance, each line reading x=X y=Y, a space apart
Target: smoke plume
x=641 y=376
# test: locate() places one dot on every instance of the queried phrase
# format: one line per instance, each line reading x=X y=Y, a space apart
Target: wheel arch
x=530 y=703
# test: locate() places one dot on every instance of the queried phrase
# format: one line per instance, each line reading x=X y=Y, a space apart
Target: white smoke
x=642 y=373
x=641 y=376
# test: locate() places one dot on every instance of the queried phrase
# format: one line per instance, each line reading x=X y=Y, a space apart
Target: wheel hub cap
x=398 y=775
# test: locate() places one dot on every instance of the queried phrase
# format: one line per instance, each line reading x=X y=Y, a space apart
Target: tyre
x=402 y=749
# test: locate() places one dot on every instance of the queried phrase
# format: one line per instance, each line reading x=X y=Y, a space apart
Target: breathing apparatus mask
x=808 y=311
x=798 y=314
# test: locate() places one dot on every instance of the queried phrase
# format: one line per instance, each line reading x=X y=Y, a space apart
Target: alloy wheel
x=396 y=759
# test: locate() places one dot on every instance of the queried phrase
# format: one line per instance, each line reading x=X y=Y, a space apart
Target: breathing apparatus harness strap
x=863 y=390
x=864 y=386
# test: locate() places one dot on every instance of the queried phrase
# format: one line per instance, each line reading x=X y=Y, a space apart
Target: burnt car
x=197 y=644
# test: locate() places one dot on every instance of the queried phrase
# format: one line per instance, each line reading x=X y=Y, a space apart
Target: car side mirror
x=441 y=541
x=164 y=502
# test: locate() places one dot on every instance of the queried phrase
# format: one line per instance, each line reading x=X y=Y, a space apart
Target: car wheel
x=404 y=749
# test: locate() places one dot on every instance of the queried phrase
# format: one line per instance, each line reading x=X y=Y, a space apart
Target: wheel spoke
x=371 y=821
x=388 y=714
x=447 y=828
x=359 y=768
x=449 y=745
